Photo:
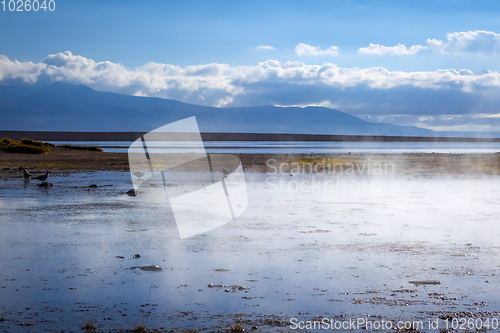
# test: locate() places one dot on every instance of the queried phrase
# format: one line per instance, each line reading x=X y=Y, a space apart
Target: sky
x=432 y=64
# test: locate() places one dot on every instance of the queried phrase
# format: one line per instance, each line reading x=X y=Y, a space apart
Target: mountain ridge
x=67 y=107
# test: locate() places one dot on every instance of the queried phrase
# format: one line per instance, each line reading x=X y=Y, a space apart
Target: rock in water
x=132 y=193
x=137 y=256
x=150 y=268
x=45 y=184
x=93 y=185
x=425 y=282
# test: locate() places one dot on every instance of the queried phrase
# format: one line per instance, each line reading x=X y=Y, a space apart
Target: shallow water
x=301 y=251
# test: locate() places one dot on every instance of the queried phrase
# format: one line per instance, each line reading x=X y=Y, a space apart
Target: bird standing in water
x=43 y=177
x=27 y=175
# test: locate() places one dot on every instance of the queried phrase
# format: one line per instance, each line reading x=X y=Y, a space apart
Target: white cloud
x=399 y=49
x=375 y=91
x=23 y=72
x=308 y=50
x=374 y=77
x=479 y=41
x=153 y=78
x=265 y=47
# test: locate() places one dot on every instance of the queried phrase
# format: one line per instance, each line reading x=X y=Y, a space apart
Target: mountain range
x=67 y=107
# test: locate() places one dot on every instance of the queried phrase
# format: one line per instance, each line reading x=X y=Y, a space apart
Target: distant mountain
x=66 y=107
x=12 y=94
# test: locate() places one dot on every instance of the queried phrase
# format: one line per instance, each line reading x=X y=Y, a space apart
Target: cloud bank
x=399 y=49
x=308 y=50
x=475 y=42
x=375 y=93
x=265 y=47
x=479 y=41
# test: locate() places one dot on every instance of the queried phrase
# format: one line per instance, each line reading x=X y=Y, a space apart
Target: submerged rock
x=151 y=268
x=210 y=285
x=234 y=288
x=426 y=282
x=237 y=287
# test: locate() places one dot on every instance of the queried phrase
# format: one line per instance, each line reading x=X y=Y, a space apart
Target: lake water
x=298 y=250
x=306 y=147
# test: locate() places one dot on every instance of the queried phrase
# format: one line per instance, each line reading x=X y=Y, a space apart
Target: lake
x=67 y=254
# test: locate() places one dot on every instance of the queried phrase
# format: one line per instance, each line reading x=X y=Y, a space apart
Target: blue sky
x=339 y=54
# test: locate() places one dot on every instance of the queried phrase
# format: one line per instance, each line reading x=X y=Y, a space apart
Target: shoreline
x=61 y=160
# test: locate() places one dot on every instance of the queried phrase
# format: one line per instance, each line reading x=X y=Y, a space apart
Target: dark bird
x=27 y=175
x=43 y=177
